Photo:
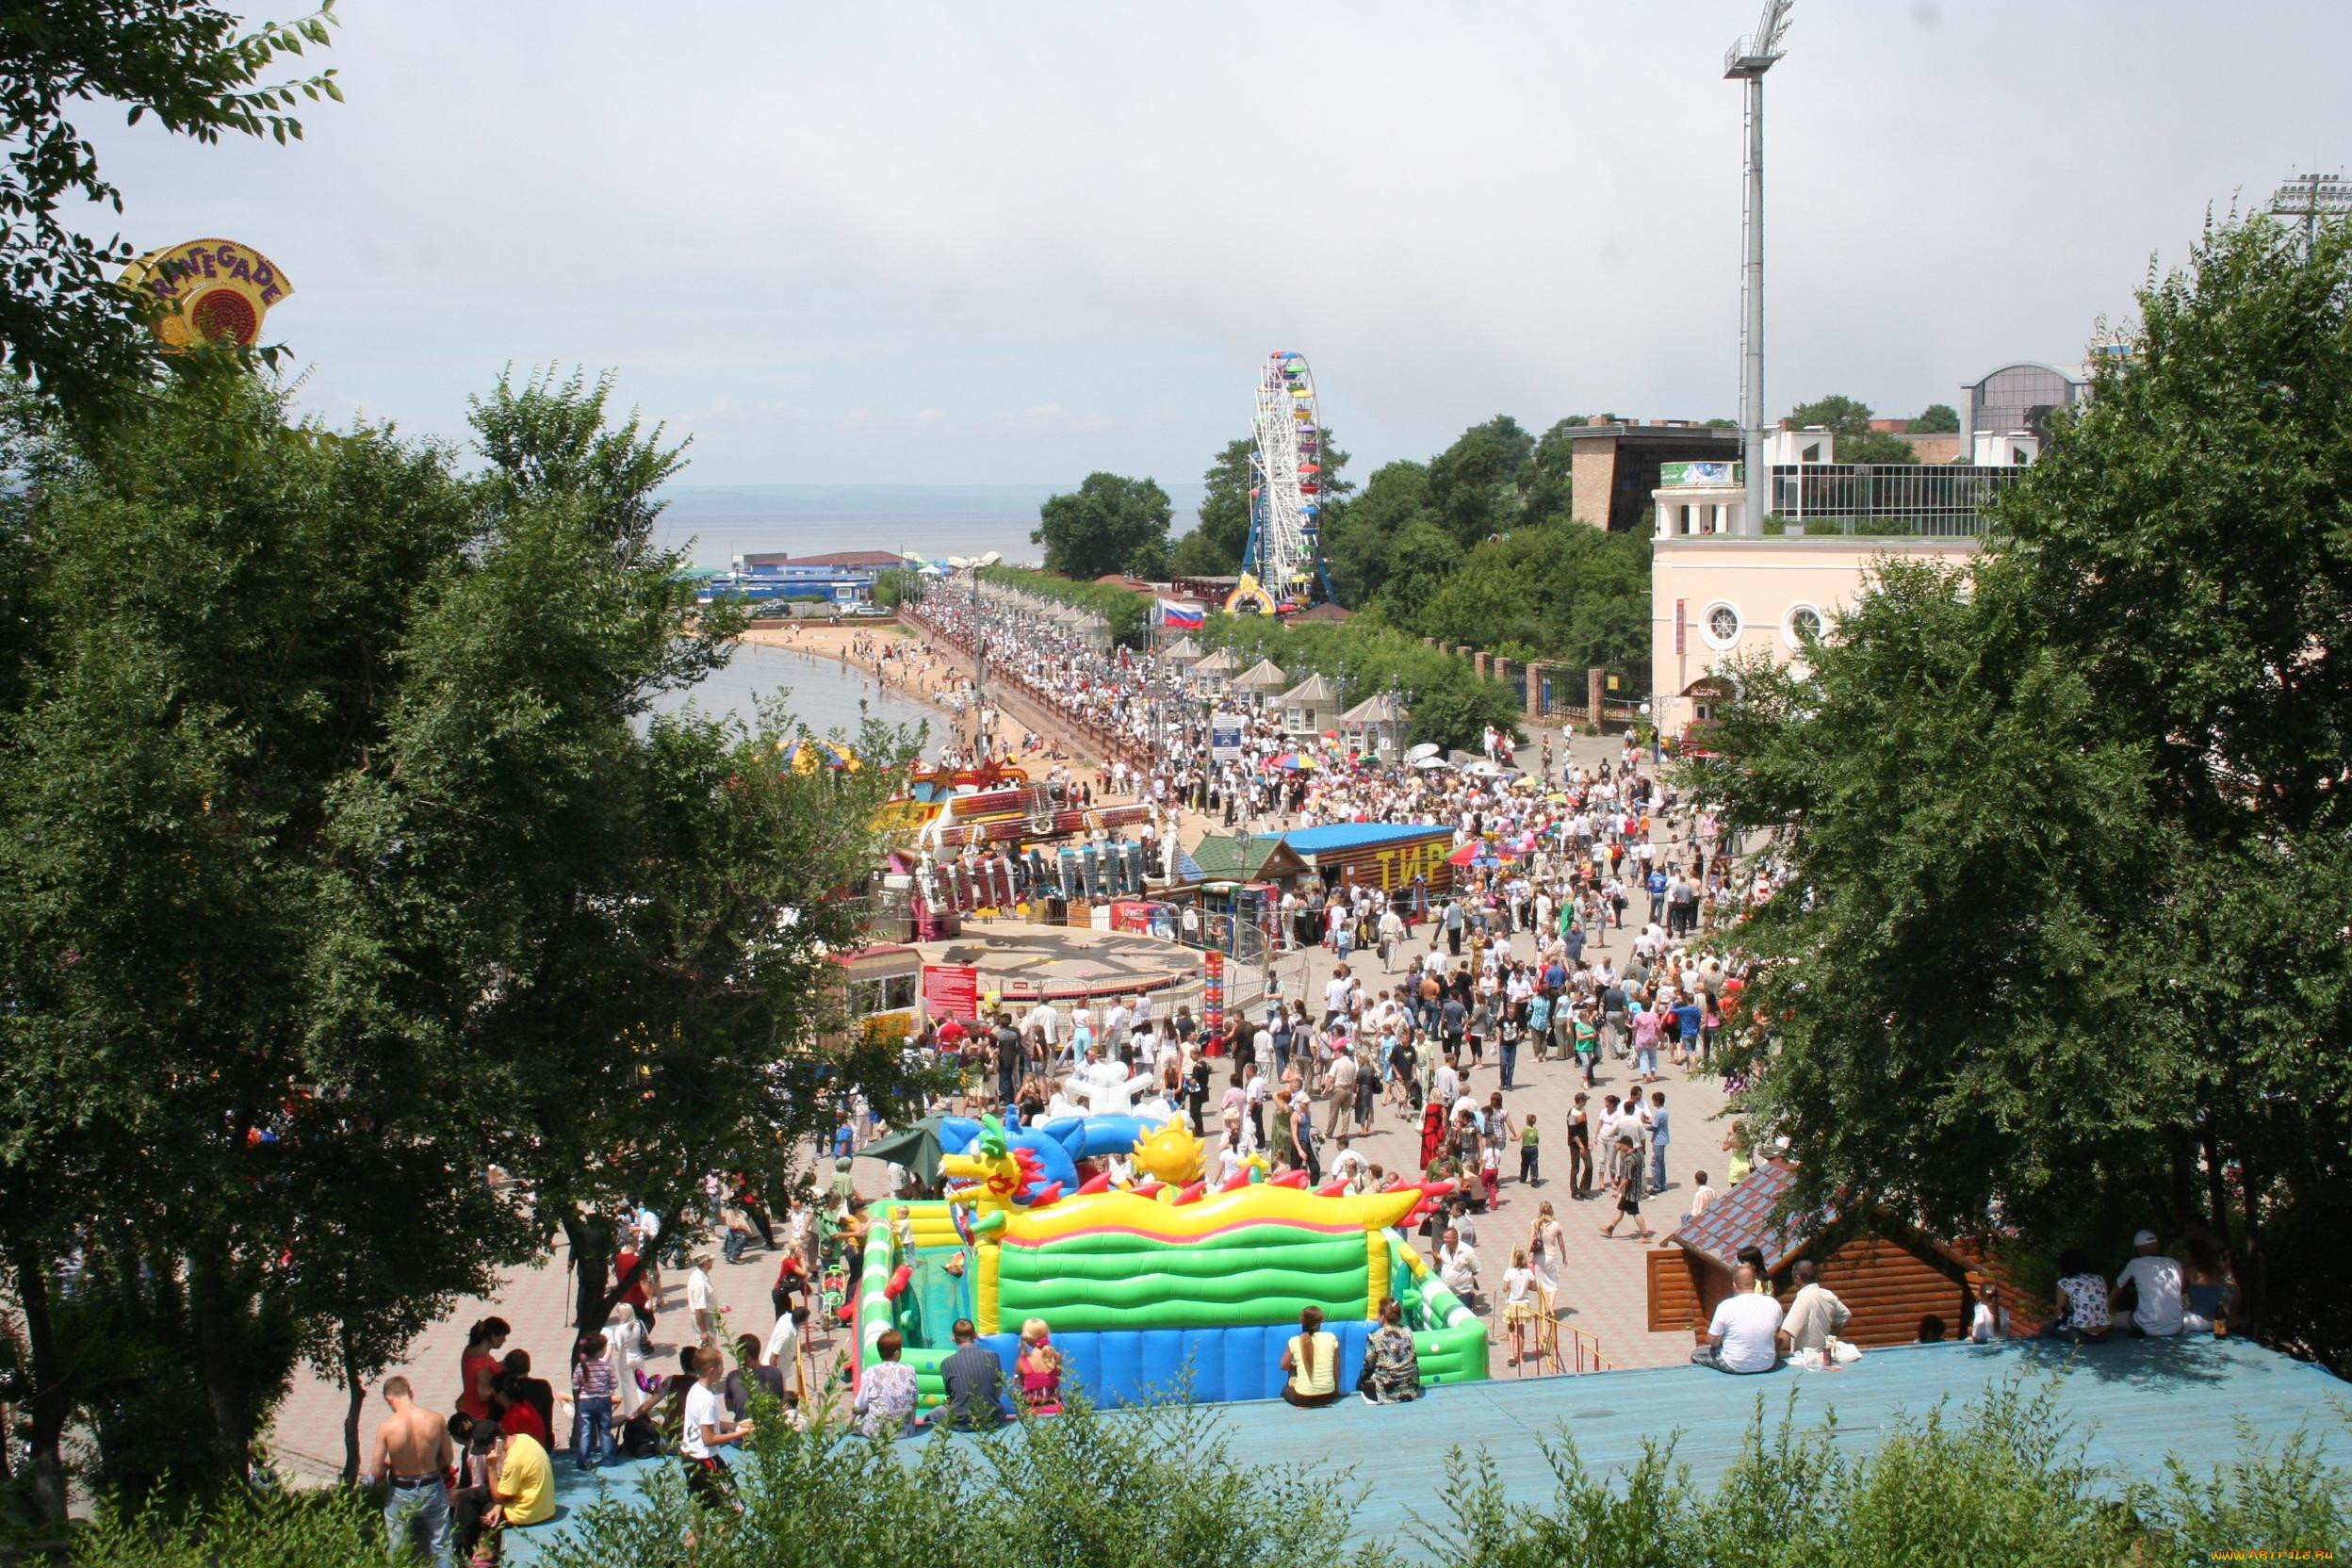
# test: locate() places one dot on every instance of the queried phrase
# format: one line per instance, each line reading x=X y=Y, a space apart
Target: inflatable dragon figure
x=995 y=1178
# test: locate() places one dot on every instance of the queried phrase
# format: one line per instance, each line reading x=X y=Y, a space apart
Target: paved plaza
x=1603 y=1280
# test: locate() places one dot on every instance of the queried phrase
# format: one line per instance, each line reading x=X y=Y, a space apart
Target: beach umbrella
x=1467 y=856
x=1432 y=764
x=1418 y=753
x=917 y=1147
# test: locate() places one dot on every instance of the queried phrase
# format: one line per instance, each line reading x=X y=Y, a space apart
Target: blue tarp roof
x=1354 y=835
x=2131 y=1402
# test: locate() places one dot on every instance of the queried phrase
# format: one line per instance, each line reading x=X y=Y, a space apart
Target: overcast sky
x=1015 y=242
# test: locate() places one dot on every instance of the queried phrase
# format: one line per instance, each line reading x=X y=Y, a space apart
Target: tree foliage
x=1110 y=523
x=341 y=859
x=64 y=324
x=1936 y=420
x=1849 y=420
x=2065 y=951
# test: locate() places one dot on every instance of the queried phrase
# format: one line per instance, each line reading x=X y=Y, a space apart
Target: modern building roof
x=1742 y=1216
x=1355 y=834
x=1264 y=676
x=839 y=559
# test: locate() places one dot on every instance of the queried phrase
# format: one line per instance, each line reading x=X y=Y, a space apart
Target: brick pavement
x=1603 y=1281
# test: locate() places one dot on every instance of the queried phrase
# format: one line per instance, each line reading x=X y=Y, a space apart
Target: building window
x=1802 y=621
x=1720 y=624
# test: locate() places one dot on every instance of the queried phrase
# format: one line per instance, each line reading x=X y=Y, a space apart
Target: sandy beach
x=924 y=681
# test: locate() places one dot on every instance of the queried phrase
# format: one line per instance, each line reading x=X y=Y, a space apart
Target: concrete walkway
x=1603 y=1281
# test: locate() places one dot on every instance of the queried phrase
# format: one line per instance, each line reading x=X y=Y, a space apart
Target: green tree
x=1475 y=483
x=1936 y=420
x=1214 y=545
x=64 y=325
x=1849 y=420
x=2091 y=985
x=1549 y=475
x=1109 y=524
x=1424 y=556
x=340 y=858
x=1358 y=545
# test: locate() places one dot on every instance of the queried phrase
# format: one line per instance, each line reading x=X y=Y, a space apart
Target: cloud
x=771 y=219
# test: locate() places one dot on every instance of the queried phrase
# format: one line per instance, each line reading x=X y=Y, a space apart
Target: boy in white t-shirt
x=706 y=1429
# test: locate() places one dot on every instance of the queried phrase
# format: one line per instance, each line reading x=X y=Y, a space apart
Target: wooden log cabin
x=1889 y=1276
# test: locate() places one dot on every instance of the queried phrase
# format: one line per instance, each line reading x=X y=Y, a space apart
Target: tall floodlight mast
x=2312 y=197
x=1746 y=62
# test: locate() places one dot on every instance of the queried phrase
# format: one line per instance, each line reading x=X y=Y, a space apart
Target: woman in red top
x=478 y=1366
x=1432 y=1131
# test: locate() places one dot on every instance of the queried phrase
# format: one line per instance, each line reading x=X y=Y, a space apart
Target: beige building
x=1719 y=594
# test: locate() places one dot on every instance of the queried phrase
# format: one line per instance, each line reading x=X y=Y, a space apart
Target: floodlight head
x=2313 y=195
x=1753 y=55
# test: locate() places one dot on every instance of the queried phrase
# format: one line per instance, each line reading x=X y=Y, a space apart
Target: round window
x=1721 y=624
x=1805 y=623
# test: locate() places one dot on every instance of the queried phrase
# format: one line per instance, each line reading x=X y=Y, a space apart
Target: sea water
x=826 y=695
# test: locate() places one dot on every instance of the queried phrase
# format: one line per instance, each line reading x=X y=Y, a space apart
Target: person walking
x=1625 y=1174
x=1579 y=1151
x=1657 y=1140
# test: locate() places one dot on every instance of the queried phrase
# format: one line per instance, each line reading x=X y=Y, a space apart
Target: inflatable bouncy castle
x=1151 y=1296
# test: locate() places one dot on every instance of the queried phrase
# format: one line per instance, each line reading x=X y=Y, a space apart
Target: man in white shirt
x=702 y=1299
x=1458 y=1268
x=1745 y=1335
x=2157 y=1280
x=1341 y=1118
x=1047 y=1021
x=1335 y=997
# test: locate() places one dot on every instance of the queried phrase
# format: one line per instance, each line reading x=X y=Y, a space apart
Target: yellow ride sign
x=212 y=290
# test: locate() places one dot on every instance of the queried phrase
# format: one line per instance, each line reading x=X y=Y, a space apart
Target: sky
x=1015 y=243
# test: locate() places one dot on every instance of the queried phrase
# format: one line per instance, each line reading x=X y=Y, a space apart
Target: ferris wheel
x=1284 y=555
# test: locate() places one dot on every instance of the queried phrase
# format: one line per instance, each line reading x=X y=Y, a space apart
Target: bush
x=1998 y=1480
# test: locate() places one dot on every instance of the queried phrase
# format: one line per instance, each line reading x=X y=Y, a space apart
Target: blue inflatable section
x=1122 y=1366
x=1058 y=1144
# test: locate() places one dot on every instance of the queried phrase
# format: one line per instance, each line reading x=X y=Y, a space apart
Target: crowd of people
x=1578 y=924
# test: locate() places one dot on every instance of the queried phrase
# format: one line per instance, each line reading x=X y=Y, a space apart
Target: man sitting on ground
x=2155 y=1281
x=1745 y=1335
x=973 y=1375
x=1816 y=1315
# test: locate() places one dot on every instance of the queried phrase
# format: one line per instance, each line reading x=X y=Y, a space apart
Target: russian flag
x=1185 y=617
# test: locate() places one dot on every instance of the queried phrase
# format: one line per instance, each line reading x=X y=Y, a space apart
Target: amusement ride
x=1282 y=569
